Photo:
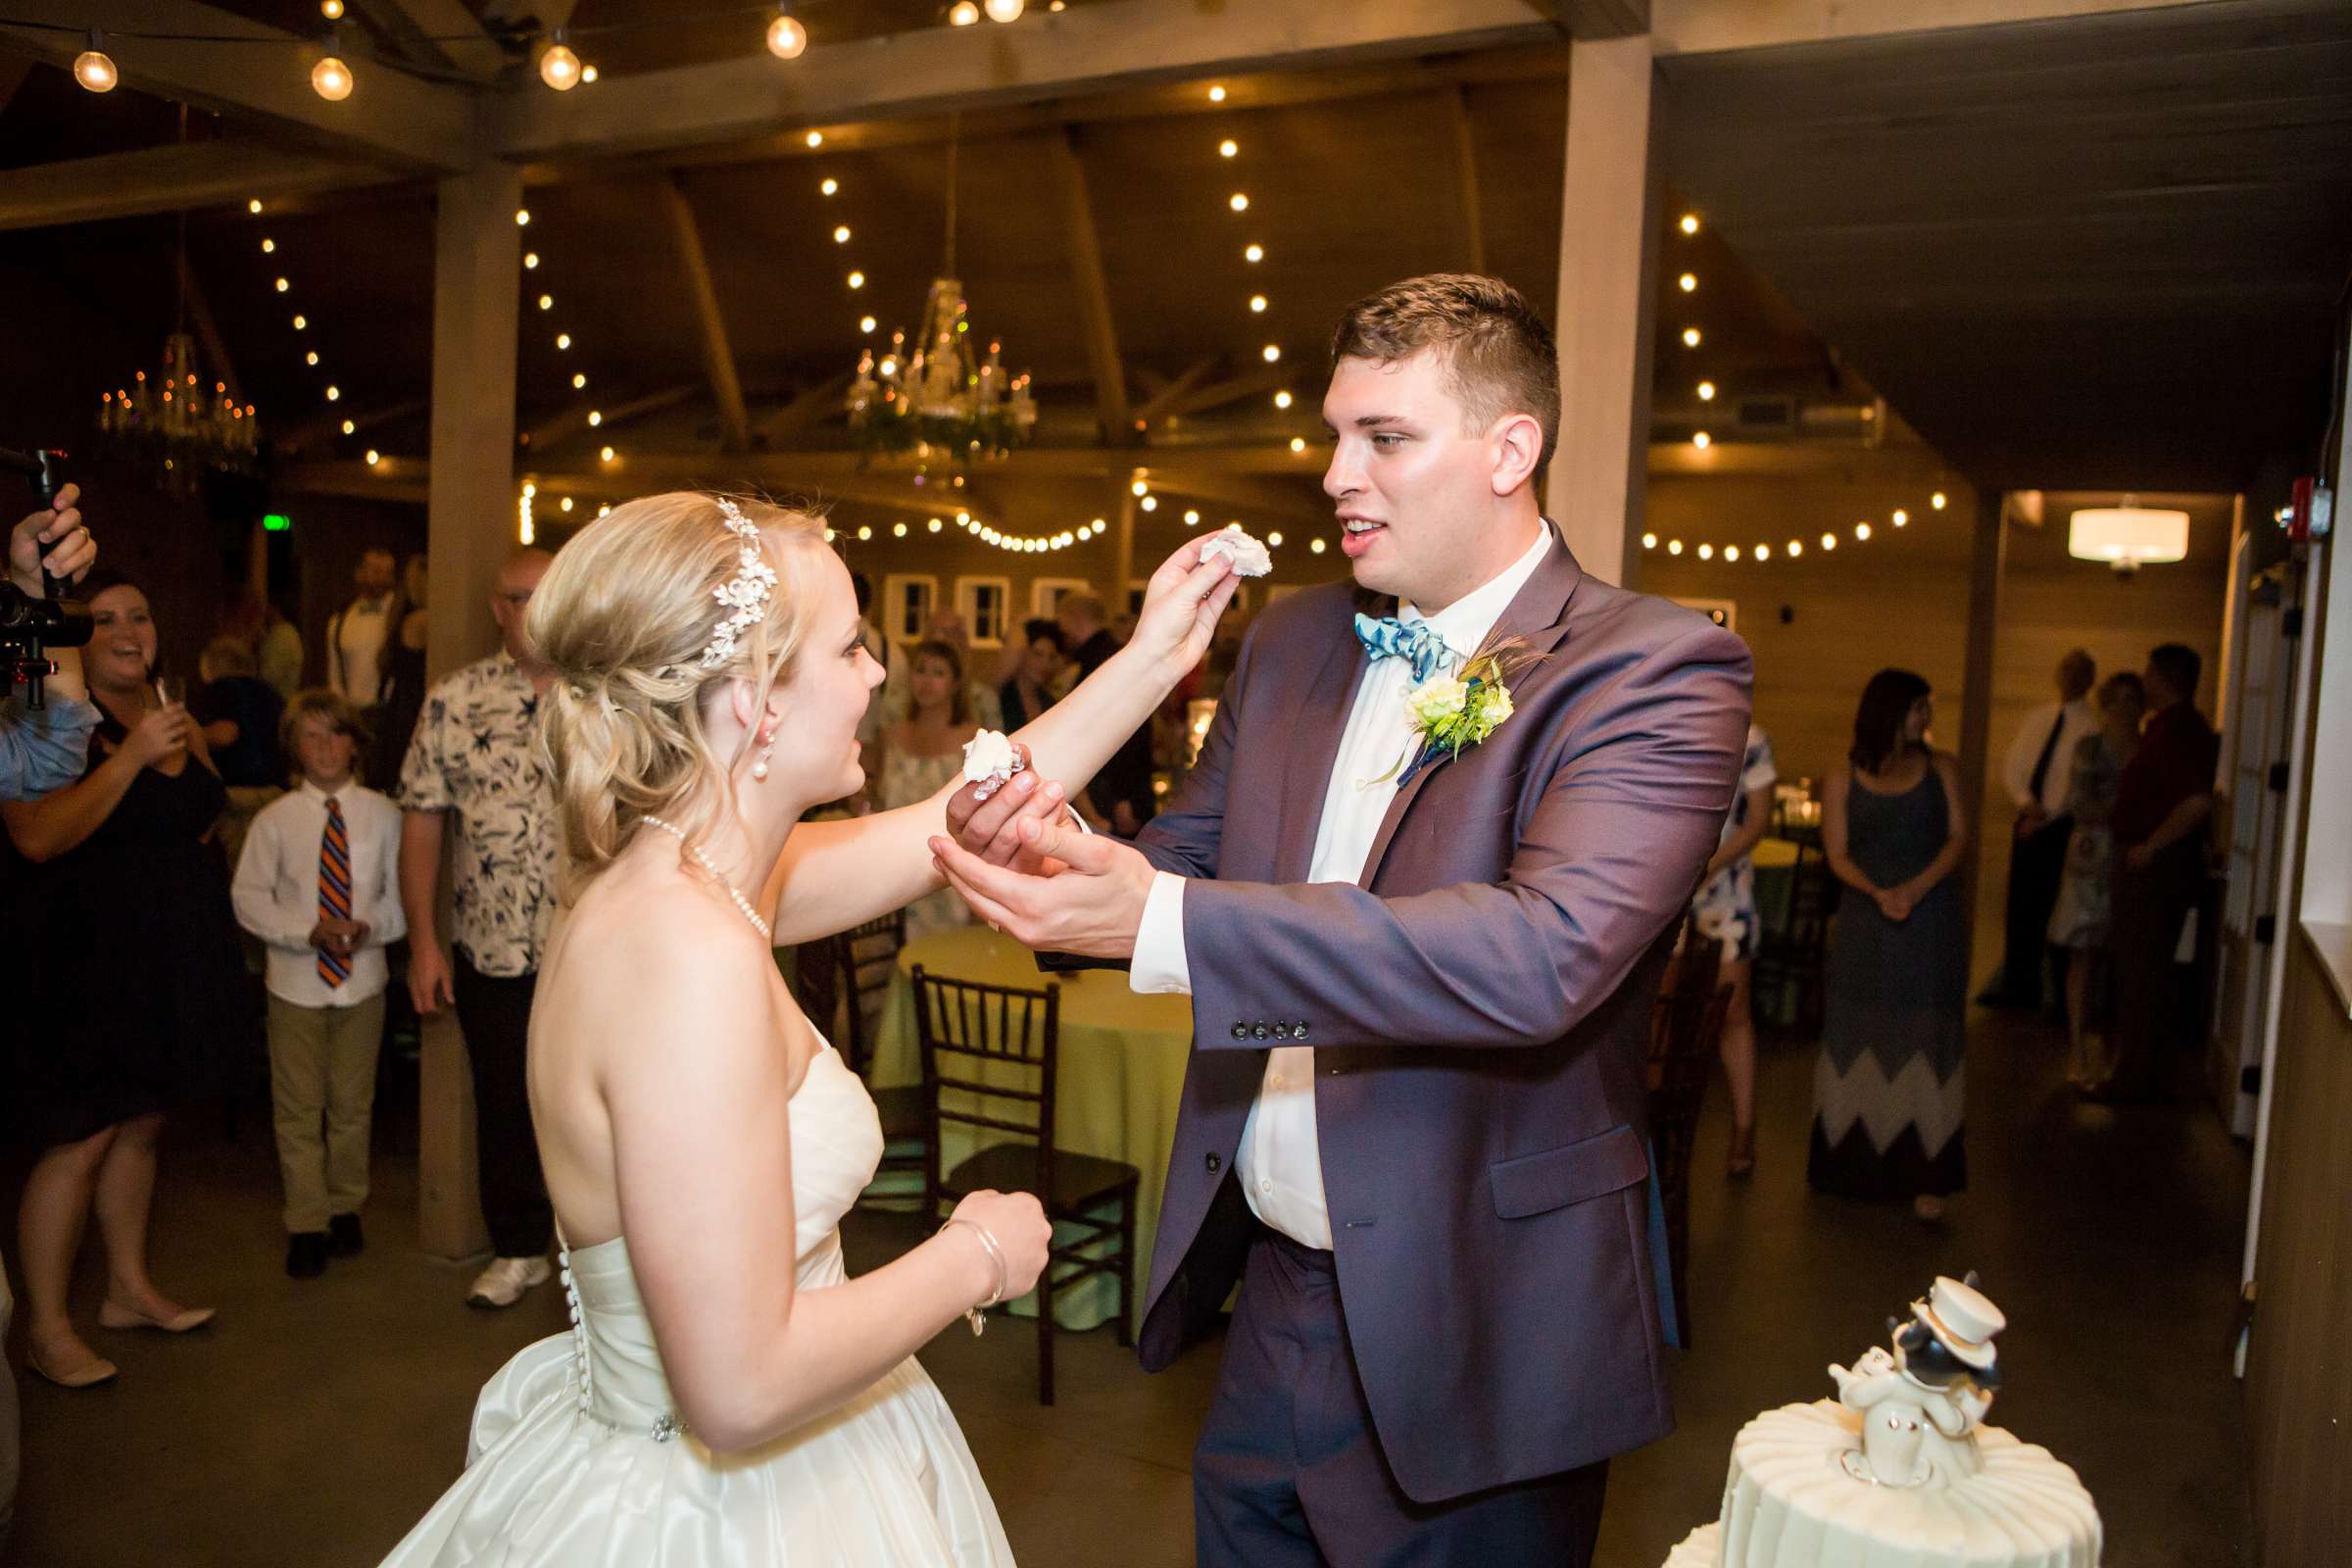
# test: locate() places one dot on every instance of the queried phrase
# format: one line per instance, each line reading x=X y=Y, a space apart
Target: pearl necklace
x=712 y=866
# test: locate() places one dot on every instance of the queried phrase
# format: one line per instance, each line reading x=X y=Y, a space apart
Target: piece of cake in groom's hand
x=1249 y=558
x=990 y=758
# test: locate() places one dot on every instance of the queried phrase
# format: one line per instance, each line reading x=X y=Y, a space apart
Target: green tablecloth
x=1119 y=1081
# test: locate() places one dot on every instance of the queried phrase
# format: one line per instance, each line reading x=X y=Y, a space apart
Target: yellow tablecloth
x=1119 y=1081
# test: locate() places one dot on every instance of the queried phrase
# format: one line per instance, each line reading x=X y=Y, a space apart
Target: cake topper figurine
x=1922 y=1400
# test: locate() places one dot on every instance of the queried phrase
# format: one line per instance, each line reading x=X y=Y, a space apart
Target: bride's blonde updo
x=624 y=615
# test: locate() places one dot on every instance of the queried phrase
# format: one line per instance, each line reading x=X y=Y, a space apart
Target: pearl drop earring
x=768 y=749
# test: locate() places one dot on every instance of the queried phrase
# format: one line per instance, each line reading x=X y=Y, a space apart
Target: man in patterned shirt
x=473 y=758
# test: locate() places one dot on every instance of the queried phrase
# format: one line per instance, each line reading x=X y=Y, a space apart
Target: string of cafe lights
x=539 y=295
x=1686 y=286
x=282 y=283
x=561 y=68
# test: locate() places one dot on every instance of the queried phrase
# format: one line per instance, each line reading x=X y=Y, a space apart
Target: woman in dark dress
x=1890 y=1086
x=1030 y=690
x=137 y=988
x=403 y=699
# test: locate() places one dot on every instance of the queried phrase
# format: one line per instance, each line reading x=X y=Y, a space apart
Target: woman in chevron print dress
x=1890 y=1086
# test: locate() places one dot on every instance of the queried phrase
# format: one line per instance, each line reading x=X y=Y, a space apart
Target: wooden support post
x=719 y=358
x=1465 y=174
x=471 y=526
x=1122 y=551
x=1989 y=553
x=1607 y=299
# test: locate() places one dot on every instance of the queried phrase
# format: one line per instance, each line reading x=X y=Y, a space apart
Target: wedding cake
x=1900 y=1471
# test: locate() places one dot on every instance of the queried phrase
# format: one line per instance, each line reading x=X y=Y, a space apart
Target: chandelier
x=170 y=429
x=941 y=402
x=167 y=426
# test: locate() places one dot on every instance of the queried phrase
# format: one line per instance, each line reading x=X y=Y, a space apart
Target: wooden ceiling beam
x=1594 y=19
x=440 y=33
x=1266 y=89
x=1161 y=401
x=1094 y=290
x=1086 y=50
x=1264 y=379
x=1717 y=26
x=328 y=426
x=573 y=420
x=710 y=322
x=265 y=74
x=808 y=407
x=168 y=178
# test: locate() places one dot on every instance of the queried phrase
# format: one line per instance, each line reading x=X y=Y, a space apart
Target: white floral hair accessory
x=747 y=593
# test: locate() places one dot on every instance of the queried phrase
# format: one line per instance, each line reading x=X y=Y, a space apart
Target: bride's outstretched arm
x=834 y=875
x=699 y=1108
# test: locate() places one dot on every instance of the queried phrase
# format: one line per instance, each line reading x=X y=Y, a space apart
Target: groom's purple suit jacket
x=1479 y=1007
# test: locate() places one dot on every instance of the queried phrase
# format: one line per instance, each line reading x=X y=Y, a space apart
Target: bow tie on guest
x=1390 y=638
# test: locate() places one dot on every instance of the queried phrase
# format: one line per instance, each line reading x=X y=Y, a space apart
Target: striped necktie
x=334 y=888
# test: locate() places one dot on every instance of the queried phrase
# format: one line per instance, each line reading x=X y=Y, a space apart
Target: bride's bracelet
x=995 y=1256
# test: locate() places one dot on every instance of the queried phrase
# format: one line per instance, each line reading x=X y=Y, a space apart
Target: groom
x=1412 y=1126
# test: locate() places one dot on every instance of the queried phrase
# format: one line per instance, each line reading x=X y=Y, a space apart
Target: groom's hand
x=1092 y=907
x=991 y=828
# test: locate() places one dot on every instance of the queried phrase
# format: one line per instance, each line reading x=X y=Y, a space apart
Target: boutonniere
x=1450 y=713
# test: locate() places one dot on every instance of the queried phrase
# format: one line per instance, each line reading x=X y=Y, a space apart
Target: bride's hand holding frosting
x=1181 y=607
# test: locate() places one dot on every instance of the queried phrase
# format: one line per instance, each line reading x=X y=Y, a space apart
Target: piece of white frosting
x=989 y=760
x=1249 y=558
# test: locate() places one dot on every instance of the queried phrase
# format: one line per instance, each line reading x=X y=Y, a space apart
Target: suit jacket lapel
x=1537 y=616
x=1312 y=739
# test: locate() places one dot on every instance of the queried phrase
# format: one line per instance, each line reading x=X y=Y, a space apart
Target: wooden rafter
x=1250 y=383
x=441 y=34
x=328 y=425
x=389 y=117
x=1594 y=19
x=718 y=356
x=573 y=420
x=1093 y=48
x=1185 y=384
x=1094 y=290
x=168 y=178
x=808 y=407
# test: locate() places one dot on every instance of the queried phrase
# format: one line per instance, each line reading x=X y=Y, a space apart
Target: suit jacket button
x=1261 y=1032
x=1282 y=1031
x=1215 y=1164
x=1299 y=1030
x=1241 y=1031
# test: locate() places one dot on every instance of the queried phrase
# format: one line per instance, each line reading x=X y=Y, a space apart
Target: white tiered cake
x=1900 y=1471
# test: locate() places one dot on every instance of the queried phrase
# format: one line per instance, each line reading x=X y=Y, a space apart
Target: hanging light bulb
x=1689 y=223
x=786 y=37
x=1690 y=337
x=588 y=74
x=1936 y=500
x=1702 y=440
x=962 y=14
x=1900 y=516
x=1007 y=10
x=93 y=69
x=1228 y=148
x=814 y=139
x=1706 y=391
x=1272 y=352
x=1688 y=282
x=349 y=428
x=331 y=79
x=841 y=234
x=1254 y=253
x=579 y=380
x=1282 y=399
x=1237 y=201
x=531 y=261
x=559 y=68
x=829 y=186
x=332 y=10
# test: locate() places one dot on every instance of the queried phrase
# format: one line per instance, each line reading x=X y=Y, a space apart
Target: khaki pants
x=322 y=1071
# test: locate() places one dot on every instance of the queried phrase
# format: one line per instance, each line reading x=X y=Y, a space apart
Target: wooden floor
x=316 y=1421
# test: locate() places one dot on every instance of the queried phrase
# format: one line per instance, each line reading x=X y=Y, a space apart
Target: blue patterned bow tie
x=1392 y=638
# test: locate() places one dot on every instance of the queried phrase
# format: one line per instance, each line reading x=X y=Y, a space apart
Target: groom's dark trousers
x=1445 y=1384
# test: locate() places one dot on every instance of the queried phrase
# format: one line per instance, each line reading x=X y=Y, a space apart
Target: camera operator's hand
x=58 y=533
x=160 y=736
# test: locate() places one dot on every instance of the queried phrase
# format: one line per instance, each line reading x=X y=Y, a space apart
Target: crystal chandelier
x=941 y=403
x=170 y=429
x=167 y=426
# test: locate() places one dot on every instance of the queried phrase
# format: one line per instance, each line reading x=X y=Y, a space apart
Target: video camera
x=29 y=627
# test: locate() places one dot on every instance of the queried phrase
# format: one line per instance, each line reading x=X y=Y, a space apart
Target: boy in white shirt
x=319 y=883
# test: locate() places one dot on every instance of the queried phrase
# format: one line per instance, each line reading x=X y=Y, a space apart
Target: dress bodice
x=836 y=1146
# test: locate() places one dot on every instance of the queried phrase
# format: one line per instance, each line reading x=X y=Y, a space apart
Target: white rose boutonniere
x=1451 y=712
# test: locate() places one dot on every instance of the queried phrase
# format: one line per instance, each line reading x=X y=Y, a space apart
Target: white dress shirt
x=1281 y=1162
x=276 y=891
x=354 y=650
x=2024 y=750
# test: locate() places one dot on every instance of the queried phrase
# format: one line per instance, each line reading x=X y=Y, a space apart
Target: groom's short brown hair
x=1498 y=353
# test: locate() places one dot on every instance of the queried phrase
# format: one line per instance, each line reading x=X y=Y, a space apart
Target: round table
x=1118 y=1081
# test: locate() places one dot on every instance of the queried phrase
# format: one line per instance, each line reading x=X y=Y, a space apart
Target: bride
x=727 y=1395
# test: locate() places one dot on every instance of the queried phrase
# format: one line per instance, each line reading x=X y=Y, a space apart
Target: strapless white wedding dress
x=578 y=1458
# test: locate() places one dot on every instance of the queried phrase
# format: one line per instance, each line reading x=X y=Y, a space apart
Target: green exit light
x=276 y=522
